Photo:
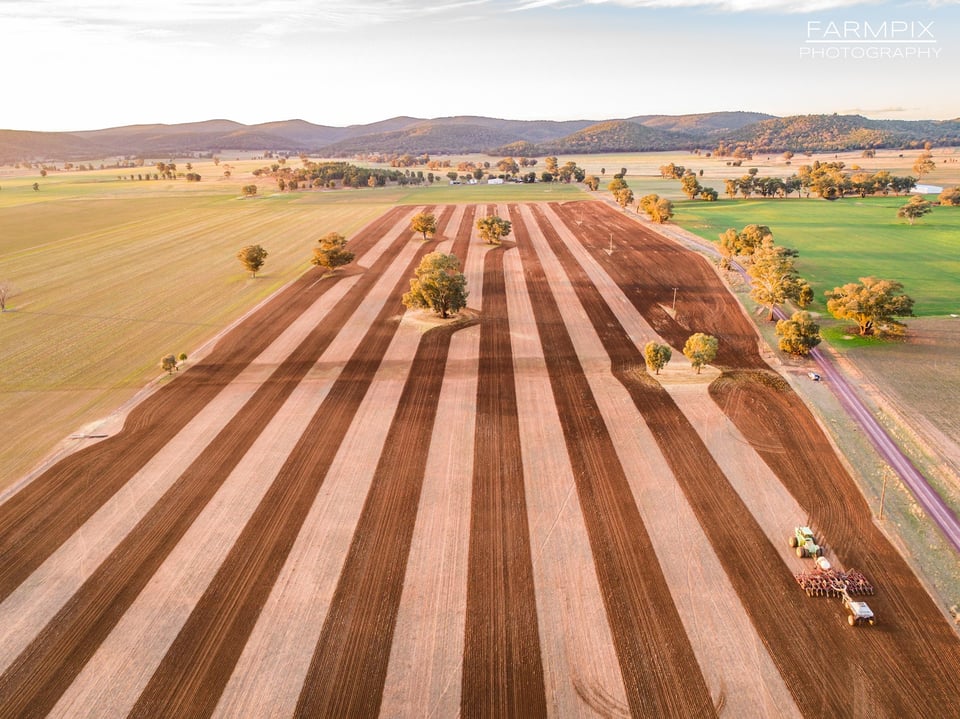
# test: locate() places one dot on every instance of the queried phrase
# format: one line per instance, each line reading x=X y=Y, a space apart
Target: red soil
x=906 y=666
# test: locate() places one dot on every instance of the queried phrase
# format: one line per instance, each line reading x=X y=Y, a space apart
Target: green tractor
x=802 y=539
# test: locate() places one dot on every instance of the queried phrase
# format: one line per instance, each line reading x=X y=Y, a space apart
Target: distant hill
x=756 y=132
x=835 y=133
x=701 y=124
x=615 y=136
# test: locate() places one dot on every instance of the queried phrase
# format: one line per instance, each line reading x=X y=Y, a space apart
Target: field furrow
x=342 y=507
x=502 y=668
x=647 y=630
x=581 y=670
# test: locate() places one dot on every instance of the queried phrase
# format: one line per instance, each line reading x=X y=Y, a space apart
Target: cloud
x=328 y=14
x=769 y=6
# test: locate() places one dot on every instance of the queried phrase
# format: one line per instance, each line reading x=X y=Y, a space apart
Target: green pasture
x=846 y=239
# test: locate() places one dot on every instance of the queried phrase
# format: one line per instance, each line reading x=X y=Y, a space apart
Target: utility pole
x=883 y=492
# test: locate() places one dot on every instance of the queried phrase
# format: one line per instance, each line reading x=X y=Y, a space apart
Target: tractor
x=803 y=540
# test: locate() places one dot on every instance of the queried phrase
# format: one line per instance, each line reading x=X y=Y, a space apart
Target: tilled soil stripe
x=908 y=668
x=44 y=513
x=425 y=670
x=268 y=676
x=730 y=653
x=198 y=665
x=424 y=676
x=114 y=677
x=801 y=639
x=134 y=649
x=26 y=611
x=359 y=626
x=502 y=668
x=44 y=670
x=349 y=666
x=580 y=664
x=647 y=630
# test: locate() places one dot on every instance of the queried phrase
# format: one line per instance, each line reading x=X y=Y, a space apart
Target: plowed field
x=348 y=509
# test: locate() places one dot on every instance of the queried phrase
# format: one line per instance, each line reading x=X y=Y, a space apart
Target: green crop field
x=844 y=240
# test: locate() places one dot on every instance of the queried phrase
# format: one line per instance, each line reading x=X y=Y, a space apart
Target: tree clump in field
x=332 y=252
x=592 y=182
x=950 y=196
x=700 y=349
x=872 y=304
x=775 y=279
x=624 y=197
x=915 y=209
x=439 y=285
x=252 y=257
x=249 y=190
x=493 y=229
x=620 y=191
x=168 y=363
x=798 y=335
x=659 y=209
x=657 y=355
x=424 y=223
x=741 y=244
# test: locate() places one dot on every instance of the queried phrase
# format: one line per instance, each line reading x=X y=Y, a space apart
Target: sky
x=91 y=64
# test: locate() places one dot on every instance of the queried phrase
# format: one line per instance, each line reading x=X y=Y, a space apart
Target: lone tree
x=252 y=257
x=493 y=229
x=657 y=355
x=872 y=304
x=915 y=209
x=168 y=363
x=425 y=223
x=799 y=334
x=775 y=280
x=439 y=285
x=249 y=190
x=332 y=252
x=700 y=349
x=924 y=165
x=7 y=291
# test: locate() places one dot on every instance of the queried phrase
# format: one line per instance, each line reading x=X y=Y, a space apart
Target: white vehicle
x=860 y=612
